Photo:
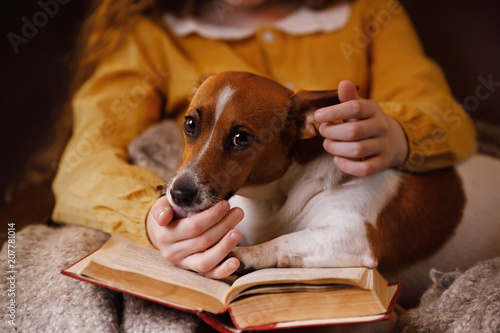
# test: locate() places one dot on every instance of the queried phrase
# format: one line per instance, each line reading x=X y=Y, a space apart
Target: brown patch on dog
x=372 y=236
x=420 y=219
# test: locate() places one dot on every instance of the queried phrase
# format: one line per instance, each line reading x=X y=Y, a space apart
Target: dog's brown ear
x=303 y=105
x=201 y=79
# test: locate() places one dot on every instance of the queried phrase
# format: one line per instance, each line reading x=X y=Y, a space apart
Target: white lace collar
x=301 y=22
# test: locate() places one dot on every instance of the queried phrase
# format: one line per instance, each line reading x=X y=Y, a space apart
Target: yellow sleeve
x=95 y=185
x=412 y=89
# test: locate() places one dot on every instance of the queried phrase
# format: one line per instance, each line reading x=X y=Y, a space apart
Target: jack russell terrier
x=252 y=141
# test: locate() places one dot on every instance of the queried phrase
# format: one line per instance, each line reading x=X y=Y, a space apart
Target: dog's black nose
x=182 y=196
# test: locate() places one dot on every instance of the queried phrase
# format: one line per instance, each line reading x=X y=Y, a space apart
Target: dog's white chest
x=260 y=205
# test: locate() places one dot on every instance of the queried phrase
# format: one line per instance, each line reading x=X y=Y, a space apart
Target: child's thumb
x=347 y=91
x=162 y=211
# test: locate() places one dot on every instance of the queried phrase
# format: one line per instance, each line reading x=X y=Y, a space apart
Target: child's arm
x=95 y=185
x=411 y=89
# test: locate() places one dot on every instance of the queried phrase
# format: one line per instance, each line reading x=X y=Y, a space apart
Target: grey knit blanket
x=47 y=301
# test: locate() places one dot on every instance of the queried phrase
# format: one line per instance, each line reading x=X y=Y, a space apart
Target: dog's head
x=241 y=130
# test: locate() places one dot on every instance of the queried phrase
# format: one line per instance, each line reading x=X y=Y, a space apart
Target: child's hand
x=199 y=242
x=368 y=141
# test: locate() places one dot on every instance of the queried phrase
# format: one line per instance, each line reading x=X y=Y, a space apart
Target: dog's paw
x=242 y=269
x=253 y=258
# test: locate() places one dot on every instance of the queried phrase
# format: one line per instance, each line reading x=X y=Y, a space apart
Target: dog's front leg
x=326 y=246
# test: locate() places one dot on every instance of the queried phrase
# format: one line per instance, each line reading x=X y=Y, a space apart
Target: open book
x=262 y=299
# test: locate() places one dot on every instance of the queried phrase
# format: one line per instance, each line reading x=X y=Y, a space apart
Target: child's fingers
x=357 y=149
x=162 y=211
x=356 y=109
x=197 y=224
x=205 y=262
x=225 y=269
x=347 y=91
x=350 y=131
x=363 y=168
x=206 y=240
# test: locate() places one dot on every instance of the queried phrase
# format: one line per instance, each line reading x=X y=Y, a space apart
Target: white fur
x=312 y=218
x=222 y=100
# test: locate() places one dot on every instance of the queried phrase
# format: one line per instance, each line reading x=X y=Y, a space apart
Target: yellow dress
x=156 y=68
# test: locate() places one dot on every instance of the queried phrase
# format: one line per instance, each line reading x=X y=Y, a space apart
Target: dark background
x=462 y=36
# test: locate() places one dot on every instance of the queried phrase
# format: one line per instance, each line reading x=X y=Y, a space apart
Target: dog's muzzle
x=184 y=196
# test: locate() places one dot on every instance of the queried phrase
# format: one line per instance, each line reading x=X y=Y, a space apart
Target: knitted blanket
x=458 y=302
x=47 y=301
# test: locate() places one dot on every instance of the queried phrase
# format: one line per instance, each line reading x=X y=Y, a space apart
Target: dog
x=254 y=142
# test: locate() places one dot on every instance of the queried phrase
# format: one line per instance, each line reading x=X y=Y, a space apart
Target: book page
x=391 y=290
x=356 y=276
x=123 y=254
x=267 y=309
x=286 y=288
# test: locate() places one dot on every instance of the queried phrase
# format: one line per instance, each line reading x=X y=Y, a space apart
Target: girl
x=141 y=60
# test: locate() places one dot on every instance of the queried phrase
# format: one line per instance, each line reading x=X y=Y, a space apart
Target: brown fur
x=371 y=235
x=420 y=219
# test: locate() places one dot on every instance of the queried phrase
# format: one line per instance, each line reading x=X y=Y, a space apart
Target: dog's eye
x=242 y=139
x=190 y=126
